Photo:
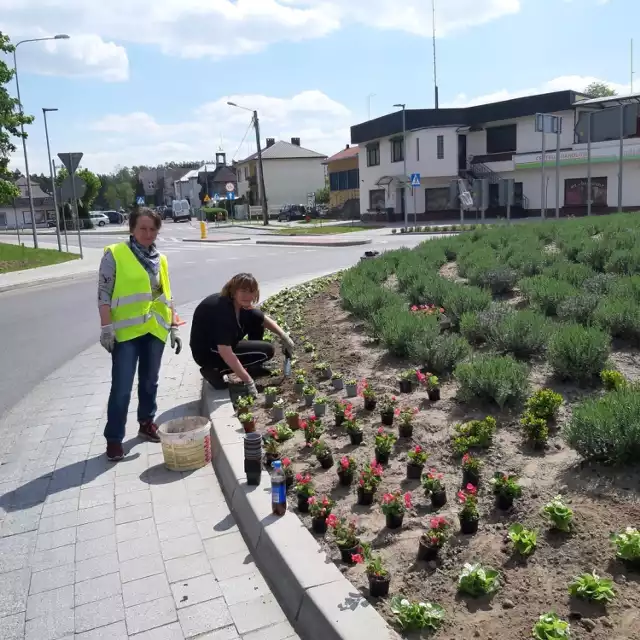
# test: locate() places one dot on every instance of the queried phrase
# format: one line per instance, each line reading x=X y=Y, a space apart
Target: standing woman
x=136 y=316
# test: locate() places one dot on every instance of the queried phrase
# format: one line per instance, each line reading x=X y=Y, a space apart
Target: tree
x=119 y=195
x=599 y=90
x=322 y=196
x=91 y=193
x=10 y=121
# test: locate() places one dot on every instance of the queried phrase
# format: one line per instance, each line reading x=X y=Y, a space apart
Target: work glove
x=176 y=340
x=287 y=343
x=108 y=337
x=251 y=388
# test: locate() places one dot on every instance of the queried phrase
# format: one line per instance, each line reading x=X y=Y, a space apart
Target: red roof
x=345 y=154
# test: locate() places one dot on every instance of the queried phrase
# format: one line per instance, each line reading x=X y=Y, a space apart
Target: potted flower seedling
x=312 y=428
x=627 y=544
x=340 y=410
x=383 y=444
x=369 y=481
x=470 y=470
x=288 y=472
x=351 y=386
x=244 y=404
x=406 y=416
x=394 y=506
x=323 y=454
x=277 y=411
x=270 y=396
x=323 y=369
x=506 y=489
x=308 y=347
x=468 y=516
x=346 y=470
x=248 y=421
x=477 y=580
x=304 y=490
x=536 y=430
x=320 y=406
x=293 y=419
x=524 y=540
x=433 y=387
x=560 y=515
x=433 y=539
x=416 y=616
x=551 y=627
x=417 y=458
x=368 y=394
x=309 y=393
x=320 y=510
x=280 y=433
x=345 y=534
x=337 y=380
x=433 y=485
x=299 y=383
x=271 y=451
x=407 y=381
x=387 y=408
x=354 y=429
x=377 y=575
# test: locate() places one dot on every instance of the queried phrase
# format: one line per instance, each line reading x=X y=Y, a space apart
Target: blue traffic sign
x=216 y=196
x=140 y=200
x=231 y=195
x=415 y=179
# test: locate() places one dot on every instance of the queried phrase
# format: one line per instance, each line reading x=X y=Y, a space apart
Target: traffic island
x=214 y=239
x=309 y=241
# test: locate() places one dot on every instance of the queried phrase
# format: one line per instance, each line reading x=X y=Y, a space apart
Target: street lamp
x=53 y=182
x=263 y=191
x=404 y=159
x=60 y=36
x=371 y=95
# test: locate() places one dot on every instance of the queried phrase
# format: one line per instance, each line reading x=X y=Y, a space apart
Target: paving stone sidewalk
x=92 y=550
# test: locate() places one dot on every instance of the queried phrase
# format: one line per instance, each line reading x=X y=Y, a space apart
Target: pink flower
x=357 y=558
x=407 y=500
x=414 y=308
x=286 y=462
x=397 y=411
x=380 y=431
x=332 y=520
x=441 y=309
x=387 y=498
x=418 y=449
x=312 y=500
x=462 y=496
x=303 y=424
x=471 y=489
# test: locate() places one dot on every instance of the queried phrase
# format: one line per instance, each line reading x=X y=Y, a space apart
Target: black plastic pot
x=414 y=471
x=253 y=479
x=427 y=552
x=406 y=386
x=319 y=525
x=387 y=418
x=434 y=395
x=382 y=458
x=469 y=527
x=339 y=420
x=290 y=479
x=405 y=430
x=345 y=479
x=270 y=458
x=297 y=389
x=269 y=400
x=338 y=385
x=504 y=502
x=370 y=405
x=438 y=499
x=347 y=552
x=394 y=521
x=379 y=587
x=352 y=390
x=308 y=401
x=303 y=503
x=365 y=498
x=355 y=437
x=326 y=462
x=470 y=477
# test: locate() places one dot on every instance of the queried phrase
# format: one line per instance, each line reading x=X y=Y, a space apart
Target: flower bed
x=538 y=512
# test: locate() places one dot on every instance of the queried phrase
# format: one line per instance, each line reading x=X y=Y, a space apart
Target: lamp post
x=261 y=187
x=53 y=183
x=404 y=160
x=371 y=95
x=60 y=36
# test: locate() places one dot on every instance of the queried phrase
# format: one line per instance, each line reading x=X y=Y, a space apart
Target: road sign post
x=71 y=162
x=548 y=123
x=415 y=184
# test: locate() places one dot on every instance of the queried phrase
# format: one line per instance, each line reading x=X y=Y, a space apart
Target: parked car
x=180 y=210
x=115 y=217
x=291 y=212
x=98 y=218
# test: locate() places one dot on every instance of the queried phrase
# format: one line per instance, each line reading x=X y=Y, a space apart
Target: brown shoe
x=149 y=431
x=115 y=451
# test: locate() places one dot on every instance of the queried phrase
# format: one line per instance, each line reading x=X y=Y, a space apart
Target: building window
x=354 y=179
x=502 y=139
x=343 y=180
x=440 y=147
x=437 y=199
x=376 y=200
x=397 y=150
x=373 y=154
x=418 y=149
x=575 y=192
x=3 y=219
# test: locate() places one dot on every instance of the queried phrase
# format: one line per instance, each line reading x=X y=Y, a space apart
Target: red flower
x=286 y=462
x=441 y=309
x=418 y=449
x=471 y=489
x=387 y=498
x=357 y=558
x=462 y=496
x=414 y=308
x=380 y=431
x=332 y=520
x=407 y=500
x=303 y=424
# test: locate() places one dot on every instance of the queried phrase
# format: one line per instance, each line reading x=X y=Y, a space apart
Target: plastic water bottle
x=278 y=489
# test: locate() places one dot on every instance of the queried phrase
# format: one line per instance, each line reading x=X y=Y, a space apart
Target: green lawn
x=15 y=257
x=321 y=230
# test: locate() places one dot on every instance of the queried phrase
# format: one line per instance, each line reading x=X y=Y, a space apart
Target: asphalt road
x=41 y=328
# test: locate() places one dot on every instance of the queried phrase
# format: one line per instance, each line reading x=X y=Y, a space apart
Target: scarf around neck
x=149 y=257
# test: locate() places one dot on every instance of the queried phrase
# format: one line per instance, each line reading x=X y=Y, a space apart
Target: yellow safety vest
x=134 y=311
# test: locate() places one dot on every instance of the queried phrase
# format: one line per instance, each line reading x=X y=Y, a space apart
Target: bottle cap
x=276 y=464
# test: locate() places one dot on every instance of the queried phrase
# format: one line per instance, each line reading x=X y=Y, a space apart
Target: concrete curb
x=427 y=233
x=49 y=280
x=214 y=240
x=318 y=600
x=319 y=243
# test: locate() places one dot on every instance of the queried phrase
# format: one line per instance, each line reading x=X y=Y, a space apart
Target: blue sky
x=146 y=81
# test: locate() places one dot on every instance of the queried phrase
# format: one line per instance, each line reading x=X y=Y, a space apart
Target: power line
x=243 y=138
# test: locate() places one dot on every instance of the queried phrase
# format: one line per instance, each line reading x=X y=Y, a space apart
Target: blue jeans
x=146 y=353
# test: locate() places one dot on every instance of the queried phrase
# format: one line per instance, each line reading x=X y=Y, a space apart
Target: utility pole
x=263 y=191
x=435 y=75
x=53 y=183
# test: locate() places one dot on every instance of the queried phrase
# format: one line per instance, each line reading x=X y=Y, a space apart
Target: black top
x=215 y=323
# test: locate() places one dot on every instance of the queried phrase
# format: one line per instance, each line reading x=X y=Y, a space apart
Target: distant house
x=158 y=184
x=211 y=179
x=18 y=213
x=344 y=179
x=291 y=173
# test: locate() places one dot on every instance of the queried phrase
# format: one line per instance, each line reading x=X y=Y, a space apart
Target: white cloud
x=577 y=83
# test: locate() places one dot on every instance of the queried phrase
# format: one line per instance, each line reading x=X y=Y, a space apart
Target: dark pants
x=146 y=353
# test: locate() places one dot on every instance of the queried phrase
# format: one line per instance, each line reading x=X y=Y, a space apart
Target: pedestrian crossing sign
x=415 y=179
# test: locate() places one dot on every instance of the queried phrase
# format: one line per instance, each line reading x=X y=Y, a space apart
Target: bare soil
x=603 y=499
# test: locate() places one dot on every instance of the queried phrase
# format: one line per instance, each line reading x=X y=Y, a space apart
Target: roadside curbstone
x=313 y=242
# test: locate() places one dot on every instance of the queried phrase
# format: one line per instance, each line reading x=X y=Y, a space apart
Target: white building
x=291 y=173
x=17 y=214
x=499 y=140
